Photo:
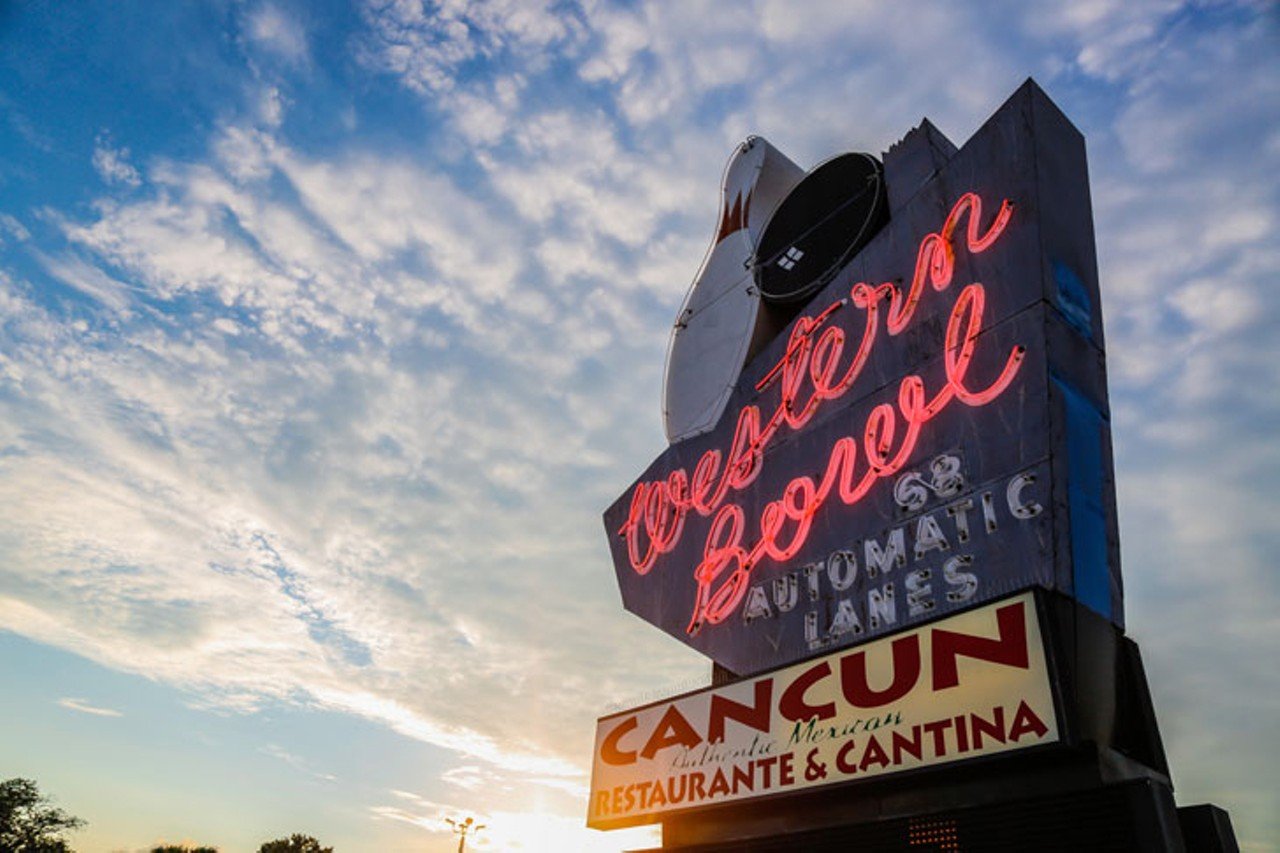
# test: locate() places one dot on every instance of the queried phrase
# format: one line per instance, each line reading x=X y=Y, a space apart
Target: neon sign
x=807 y=376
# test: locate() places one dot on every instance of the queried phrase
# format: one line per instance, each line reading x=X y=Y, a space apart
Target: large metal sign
x=931 y=432
x=969 y=685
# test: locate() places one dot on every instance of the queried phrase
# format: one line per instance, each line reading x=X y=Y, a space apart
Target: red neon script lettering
x=809 y=375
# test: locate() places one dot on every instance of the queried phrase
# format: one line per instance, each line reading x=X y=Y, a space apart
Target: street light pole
x=462 y=828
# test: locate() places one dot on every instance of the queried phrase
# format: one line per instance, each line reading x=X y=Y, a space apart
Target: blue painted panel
x=1085 y=482
x=1073 y=299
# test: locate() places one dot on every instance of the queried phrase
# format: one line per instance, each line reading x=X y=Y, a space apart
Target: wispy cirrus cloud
x=297 y=762
x=83 y=706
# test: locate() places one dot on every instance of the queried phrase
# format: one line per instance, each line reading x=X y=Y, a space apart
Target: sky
x=327 y=332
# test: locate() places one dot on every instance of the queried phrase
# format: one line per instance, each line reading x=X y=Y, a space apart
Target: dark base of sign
x=1137 y=815
x=1133 y=816
x=1106 y=786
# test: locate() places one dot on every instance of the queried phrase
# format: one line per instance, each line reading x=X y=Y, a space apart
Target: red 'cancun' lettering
x=906 y=671
x=798 y=701
x=809 y=375
x=755 y=715
x=672 y=729
x=793 y=705
x=1010 y=648
x=609 y=750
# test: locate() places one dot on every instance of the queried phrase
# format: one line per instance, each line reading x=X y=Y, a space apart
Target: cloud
x=1178 y=111
x=255 y=487
x=271 y=28
x=429 y=44
x=296 y=762
x=87 y=278
x=271 y=105
x=13 y=228
x=112 y=164
x=83 y=706
x=1115 y=39
x=1183 y=254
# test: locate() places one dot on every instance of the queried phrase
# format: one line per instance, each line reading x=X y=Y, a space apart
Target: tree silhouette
x=28 y=821
x=182 y=848
x=296 y=843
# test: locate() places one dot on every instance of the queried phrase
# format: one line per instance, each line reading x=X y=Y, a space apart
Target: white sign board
x=969 y=685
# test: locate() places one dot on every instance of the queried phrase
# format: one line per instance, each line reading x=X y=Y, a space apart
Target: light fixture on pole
x=462 y=828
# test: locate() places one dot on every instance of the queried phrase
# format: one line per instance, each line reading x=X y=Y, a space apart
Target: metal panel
x=714 y=328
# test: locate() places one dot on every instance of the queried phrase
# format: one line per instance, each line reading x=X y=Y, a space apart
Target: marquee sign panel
x=930 y=433
x=971 y=685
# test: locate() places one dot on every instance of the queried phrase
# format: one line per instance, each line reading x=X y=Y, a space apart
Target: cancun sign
x=969 y=685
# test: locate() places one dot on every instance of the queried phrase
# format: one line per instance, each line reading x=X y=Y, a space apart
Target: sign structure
x=930 y=433
x=968 y=685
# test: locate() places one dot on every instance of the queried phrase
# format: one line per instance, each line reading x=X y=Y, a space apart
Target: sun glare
x=547 y=833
